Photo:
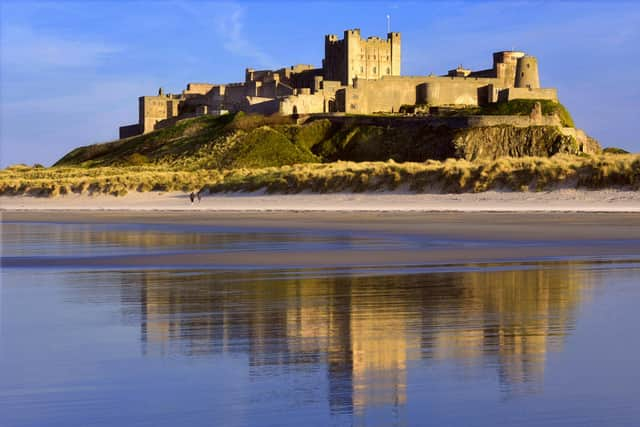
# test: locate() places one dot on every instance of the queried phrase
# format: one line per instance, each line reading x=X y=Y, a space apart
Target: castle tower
x=333 y=64
x=504 y=66
x=355 y=54
x=527 y=73
x=354 y=57
x=396 y=41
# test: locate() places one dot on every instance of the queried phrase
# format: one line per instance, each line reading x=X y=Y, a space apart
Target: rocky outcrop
x=419 y=143
x=486 y=143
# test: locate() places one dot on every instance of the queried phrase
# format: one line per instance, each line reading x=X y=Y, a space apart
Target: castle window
x=522 y=74
x=388 y=71
x=528 y=65
x=374 y=70
x=361 y=69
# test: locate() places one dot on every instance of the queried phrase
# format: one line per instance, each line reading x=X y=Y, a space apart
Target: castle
x=358 y=76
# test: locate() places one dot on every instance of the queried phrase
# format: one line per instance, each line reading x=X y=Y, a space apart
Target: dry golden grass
x=453 y=176
x=107 y=180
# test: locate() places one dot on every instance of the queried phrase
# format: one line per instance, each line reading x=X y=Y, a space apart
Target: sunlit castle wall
x=355 y=57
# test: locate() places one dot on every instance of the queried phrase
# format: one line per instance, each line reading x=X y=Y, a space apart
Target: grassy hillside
x=205 y=142
x=252 y=141
x=516 y=174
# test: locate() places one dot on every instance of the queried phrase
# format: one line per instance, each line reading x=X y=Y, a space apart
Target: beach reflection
x=26 y=239
x=366 y=333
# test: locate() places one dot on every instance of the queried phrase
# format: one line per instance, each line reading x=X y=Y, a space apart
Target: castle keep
x=358 y=76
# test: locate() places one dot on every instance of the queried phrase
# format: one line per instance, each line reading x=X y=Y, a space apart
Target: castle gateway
x=358 y=76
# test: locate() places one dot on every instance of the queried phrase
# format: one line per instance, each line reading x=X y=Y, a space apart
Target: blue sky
x=71 y=72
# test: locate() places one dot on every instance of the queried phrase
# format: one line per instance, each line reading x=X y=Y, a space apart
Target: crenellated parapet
x=356 y=58
x=358 y=75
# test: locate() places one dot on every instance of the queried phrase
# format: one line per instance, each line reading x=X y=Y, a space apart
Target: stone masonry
x=358 y=76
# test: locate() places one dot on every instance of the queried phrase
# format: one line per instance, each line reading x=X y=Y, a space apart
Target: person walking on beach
x=192 y=196
x=198 y=195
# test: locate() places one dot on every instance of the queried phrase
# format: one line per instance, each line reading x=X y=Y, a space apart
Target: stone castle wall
x=198 y=88
x=359 y=76
x=456 y=122
x=153 y=109
x=390 y=93
x=128 y=131
x=512 y=93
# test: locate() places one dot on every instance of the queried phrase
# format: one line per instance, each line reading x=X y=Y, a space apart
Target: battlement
x=358 y=75
x=356 y=58
x=197 y=88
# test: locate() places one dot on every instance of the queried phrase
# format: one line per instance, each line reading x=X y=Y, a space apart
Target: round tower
x=527 y=72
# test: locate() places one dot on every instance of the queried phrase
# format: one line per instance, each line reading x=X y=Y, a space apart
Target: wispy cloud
x=43 y=129
x=232 y=30
x=108 y=92
x=25 y=48
x=229 y=24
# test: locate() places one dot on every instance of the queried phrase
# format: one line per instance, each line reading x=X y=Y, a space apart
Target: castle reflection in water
x=365 y=331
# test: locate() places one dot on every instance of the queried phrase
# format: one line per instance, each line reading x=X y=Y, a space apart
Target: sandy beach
x=491 y=201
x=464 y=237
x=564 y=224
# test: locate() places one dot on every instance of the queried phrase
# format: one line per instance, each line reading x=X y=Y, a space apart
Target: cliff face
x=487 y=143
x=420 y=143
x=257 y=141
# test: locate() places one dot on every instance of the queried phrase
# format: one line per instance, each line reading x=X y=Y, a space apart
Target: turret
x=505 y=64
x=527 y=72
x=352 y=42
x=396 y=52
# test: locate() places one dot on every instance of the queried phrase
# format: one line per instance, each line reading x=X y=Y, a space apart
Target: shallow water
x=532 y=342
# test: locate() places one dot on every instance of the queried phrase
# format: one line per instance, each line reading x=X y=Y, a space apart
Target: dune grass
x=116 y=181
x=450 y=176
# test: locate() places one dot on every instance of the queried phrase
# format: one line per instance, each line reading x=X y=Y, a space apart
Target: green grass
x=233 y=140
x=263 y=147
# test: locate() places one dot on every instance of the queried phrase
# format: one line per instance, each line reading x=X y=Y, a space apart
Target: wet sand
x=471 y=237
